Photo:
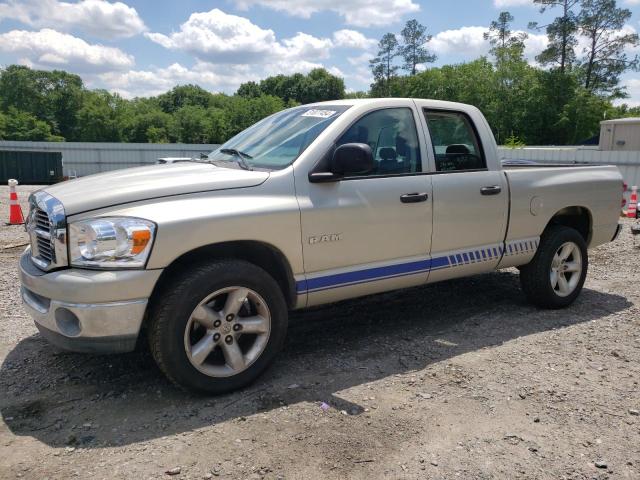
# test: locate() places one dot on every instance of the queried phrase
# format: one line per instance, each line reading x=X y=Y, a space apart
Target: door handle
x=491 y=190
x=414 y=197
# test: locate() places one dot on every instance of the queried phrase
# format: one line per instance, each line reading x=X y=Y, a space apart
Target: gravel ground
x=461 y=379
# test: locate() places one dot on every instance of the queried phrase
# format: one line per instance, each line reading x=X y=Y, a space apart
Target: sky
x=145 y=47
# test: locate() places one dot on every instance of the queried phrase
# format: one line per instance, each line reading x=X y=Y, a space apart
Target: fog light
x=67 y=322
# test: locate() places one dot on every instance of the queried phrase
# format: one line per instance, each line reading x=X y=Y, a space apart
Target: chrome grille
x=47 y=230
x=42 y=220
x=45 y=251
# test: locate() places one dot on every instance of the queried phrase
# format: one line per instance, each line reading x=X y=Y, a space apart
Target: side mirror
x=348 y=159
x=352 y=159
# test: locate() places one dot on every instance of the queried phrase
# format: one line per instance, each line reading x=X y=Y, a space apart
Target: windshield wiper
x=241 y=156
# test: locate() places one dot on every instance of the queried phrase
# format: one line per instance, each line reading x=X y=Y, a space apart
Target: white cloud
x=466 y=40
x=352 y=39
x=362 y=59
x=361 y=13
x=96 y=17
x=470 y=43
x=304 y=46
x=512 y=3
x=215 y=78
x=534 y=45
x=154 y=81
x=633 y=89
x=50 y=49
x=632 y=2
x=218 y=37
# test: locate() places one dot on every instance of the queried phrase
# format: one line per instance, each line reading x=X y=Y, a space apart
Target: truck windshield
x=276 y=141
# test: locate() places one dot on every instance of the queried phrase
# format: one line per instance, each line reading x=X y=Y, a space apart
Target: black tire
x=174 y=304
x=535 y=276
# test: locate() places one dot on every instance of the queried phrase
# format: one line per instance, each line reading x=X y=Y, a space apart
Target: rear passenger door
x=470 y=201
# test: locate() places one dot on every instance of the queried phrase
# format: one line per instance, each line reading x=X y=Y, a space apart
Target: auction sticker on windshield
x=319 y=113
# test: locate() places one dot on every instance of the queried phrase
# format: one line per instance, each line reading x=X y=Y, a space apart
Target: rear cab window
x=456 y=146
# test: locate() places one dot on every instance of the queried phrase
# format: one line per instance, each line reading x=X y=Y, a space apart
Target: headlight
x=110 y=242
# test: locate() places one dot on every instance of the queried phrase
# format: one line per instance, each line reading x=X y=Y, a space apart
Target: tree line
x=56 y=106
x=560 y=100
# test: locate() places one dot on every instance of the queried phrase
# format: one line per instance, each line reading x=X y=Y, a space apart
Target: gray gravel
x=459 y=380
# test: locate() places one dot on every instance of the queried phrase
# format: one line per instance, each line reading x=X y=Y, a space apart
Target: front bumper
x=87 y=310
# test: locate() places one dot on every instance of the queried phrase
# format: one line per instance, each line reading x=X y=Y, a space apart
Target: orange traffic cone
x=632 y=209
x=15 y=212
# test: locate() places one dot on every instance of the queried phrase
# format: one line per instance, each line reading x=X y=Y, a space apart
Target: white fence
x=87 y=158
x=627 y=162
x=81 y=158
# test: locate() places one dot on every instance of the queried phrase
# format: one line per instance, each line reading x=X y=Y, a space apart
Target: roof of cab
x=373 y=101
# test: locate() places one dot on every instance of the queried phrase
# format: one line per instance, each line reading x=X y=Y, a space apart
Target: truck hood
x=143 y=183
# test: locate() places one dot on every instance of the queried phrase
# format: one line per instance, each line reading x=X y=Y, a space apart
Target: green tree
x=182 y=96
x=605 y=59
x=382 y=66
x=317 y=86
x=26 y=127
x=51 y=96
x=218 y=125
x=101 y=117
x=561 y=34
x=500 y=35
x=243 y=112
x=3 y=126
x=191 y=124
x=150 y=125
x=20 y=90
x=512 y=73
x=249 y=89
x=413 y=50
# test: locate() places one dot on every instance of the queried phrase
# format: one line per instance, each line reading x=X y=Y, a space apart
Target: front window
x=391 y=133
x=276 y=141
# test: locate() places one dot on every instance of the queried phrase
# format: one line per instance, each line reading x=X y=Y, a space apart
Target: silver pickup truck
x=312 y=205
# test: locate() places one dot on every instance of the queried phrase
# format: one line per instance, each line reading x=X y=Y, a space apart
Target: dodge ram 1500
x=311 y=205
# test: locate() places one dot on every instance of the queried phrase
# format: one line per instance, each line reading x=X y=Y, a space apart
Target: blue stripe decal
x=439 y=262
x=411 y=268
x=370 y=274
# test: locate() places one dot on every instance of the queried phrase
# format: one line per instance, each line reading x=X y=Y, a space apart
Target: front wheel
x=218 y=326
x=555 y=276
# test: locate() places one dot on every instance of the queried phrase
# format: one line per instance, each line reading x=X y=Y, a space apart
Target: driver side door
x=370 y=233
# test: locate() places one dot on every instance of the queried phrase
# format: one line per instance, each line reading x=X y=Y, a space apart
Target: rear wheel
x=218 y=326
x=555 y=276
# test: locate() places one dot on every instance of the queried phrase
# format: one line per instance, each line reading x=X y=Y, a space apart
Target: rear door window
x=455 y=142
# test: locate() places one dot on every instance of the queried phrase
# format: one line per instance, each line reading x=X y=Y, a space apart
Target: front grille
x=41 y=246
x=42 y=220
x=47 y=229
x=44 y=248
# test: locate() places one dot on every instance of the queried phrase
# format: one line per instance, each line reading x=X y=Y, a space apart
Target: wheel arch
x=577 y=217
x=261 y=254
